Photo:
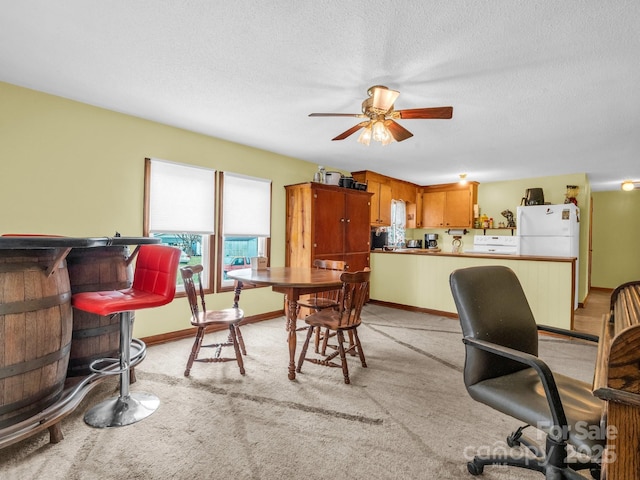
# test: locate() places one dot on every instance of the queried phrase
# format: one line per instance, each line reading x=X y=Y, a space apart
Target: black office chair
x=502 y=370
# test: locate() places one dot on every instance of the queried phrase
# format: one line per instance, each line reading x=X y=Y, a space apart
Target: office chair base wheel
x=121 y=411
x=475 y=468
x=513 y=440
x=595 y=473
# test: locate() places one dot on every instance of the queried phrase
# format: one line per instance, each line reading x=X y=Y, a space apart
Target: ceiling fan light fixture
x=365 y=135
x=380 y=114
x=382 y=98
x=629 y=185
x=388 y=140
x=463 y=179
x=380 y=132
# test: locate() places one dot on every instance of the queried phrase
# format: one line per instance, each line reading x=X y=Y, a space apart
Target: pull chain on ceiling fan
x=379 y=111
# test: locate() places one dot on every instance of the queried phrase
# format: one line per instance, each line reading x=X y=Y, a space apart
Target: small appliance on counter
x=533 y=196
x=414 y=243
x=378 y=239
x=431 y=240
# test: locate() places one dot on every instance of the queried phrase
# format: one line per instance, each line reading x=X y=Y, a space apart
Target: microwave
x=378 y=239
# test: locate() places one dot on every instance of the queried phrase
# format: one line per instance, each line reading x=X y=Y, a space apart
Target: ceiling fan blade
x=383 y=98
x=351 y=131
x=357 y=115
x=398 y=132
x=434 y=112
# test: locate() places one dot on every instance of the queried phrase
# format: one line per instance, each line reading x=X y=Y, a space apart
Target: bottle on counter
x=485 y=221
x=491 y=222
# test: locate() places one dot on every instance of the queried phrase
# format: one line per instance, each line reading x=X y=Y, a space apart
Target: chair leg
x=240 y=340
x=358 y=345
x=325 y=339
x=303 y=352
x=343 y=357
x=317 y=339
x=236 y=347
x=194 y=350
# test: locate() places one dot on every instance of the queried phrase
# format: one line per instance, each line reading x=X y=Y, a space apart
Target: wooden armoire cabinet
x=327 y=222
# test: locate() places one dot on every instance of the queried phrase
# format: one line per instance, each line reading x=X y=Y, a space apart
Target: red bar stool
x=154 y=284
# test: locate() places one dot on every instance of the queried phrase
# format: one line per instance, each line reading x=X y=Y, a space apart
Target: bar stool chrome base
x=121 y=411
x=127 y=408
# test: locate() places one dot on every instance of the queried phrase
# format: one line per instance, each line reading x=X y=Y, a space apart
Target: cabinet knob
x=348 y=220
x=342 y=220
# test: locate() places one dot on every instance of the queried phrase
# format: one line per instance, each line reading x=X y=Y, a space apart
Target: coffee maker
x=431 y=240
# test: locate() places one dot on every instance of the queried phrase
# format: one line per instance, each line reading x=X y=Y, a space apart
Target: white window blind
x=181 y=198
x=246 y=206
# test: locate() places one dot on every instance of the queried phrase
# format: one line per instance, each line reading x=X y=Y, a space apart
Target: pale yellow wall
x=71 y=169
x=616 y=254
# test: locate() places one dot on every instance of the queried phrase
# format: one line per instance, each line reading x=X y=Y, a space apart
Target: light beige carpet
x=406 y=416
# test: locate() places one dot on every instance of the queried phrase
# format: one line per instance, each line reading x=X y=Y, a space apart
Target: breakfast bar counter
x=419 y=278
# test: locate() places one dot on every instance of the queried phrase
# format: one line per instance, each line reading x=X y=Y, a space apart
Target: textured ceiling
x=538 y=87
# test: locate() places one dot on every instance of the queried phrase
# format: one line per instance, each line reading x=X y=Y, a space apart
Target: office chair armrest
x=569 y=333
x=544 y=372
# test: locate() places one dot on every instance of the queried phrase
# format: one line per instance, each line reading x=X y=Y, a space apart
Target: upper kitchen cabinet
x=327 y=222
x=385 y=189
x=449 y=205
x=380 y=203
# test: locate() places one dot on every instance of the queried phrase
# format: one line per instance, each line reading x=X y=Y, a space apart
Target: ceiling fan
x=381 y=117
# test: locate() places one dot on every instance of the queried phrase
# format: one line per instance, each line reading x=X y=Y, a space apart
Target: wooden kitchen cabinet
x=449 y=206
x=382 y=188
x=327 y=222
x=380 y=203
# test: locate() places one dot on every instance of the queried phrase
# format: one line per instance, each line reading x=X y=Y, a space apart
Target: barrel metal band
x=95 y=332
x=35 y=304
x=37 y=403
x=19 y=368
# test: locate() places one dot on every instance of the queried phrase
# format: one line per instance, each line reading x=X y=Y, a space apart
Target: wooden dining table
x=292 y=282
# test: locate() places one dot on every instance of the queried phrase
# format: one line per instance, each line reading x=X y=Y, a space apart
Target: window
x=180 y=209
x=398 y=222
x=245 y=223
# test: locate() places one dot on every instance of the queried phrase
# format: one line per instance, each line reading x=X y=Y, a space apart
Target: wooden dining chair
x=202 y=319
x=346 y=318
x=321 y=300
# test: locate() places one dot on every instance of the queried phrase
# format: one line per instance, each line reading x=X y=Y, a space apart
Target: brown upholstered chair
x=201 y=318
x=320 y=301
x=346 y=318
x=502 y=370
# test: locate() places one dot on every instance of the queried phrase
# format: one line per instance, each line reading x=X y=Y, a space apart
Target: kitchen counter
x=419 y=279
x=426 y=251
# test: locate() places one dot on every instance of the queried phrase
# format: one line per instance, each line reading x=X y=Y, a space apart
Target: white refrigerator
x=551 y=231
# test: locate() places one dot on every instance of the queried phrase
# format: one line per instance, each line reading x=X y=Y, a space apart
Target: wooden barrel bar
x=35 y=332
x=36 y=326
